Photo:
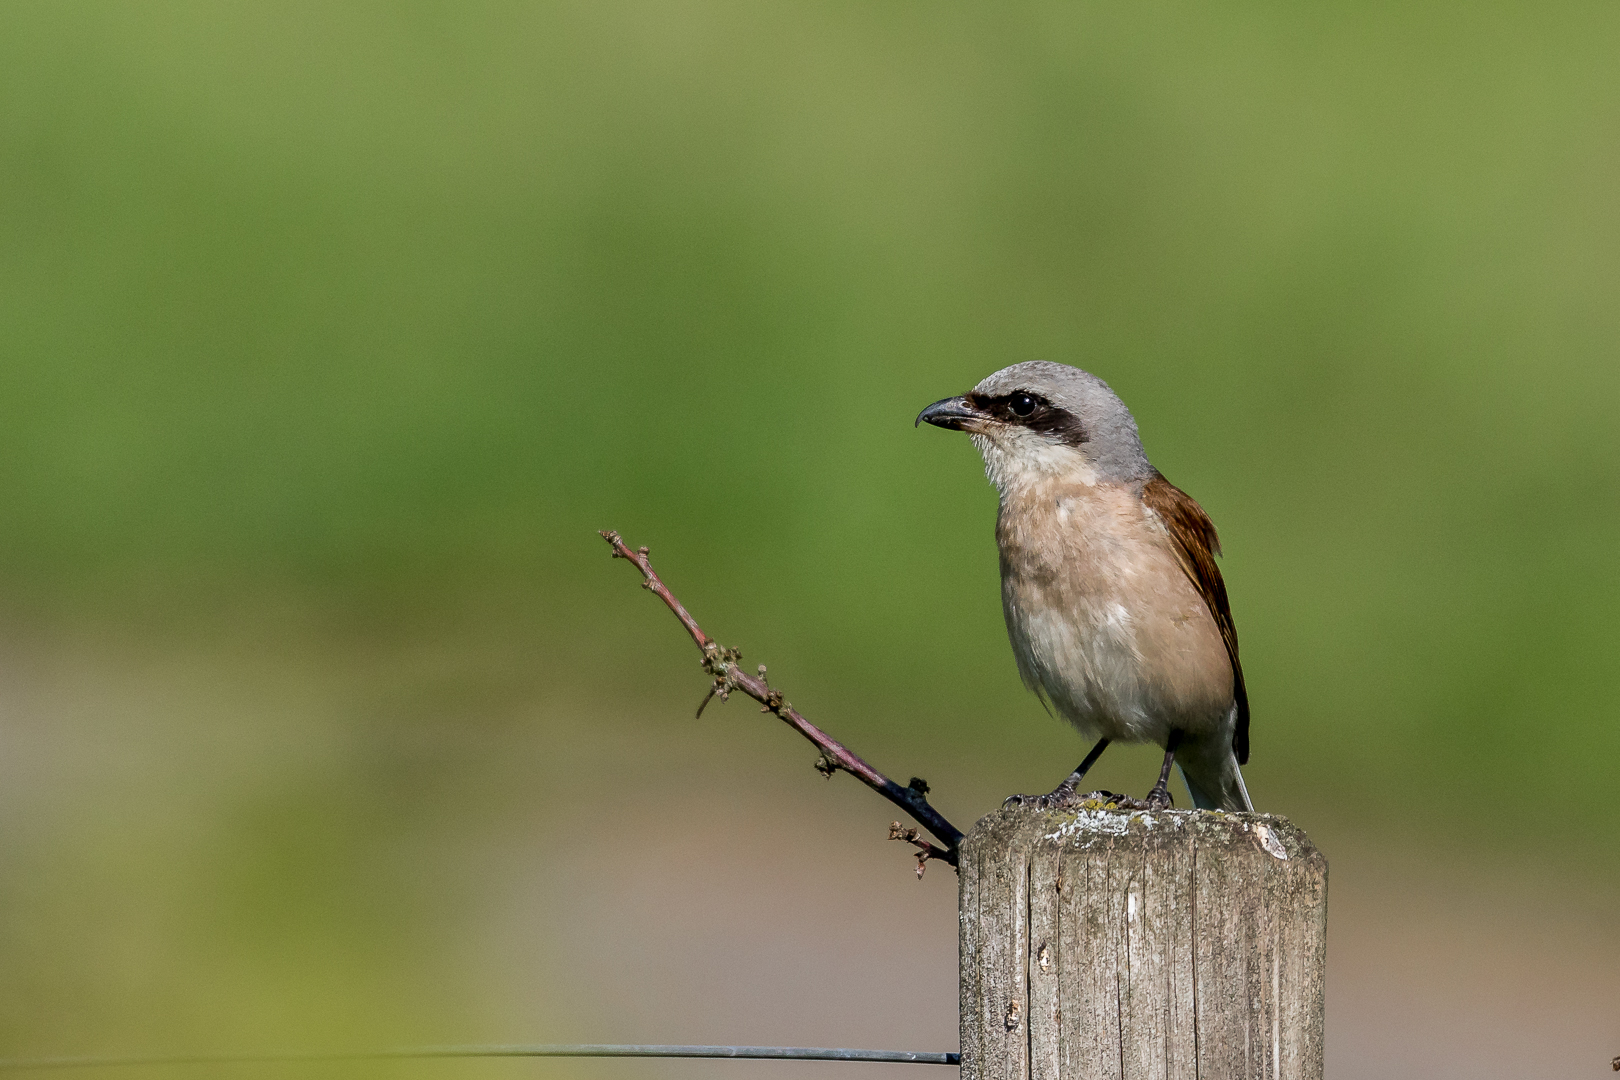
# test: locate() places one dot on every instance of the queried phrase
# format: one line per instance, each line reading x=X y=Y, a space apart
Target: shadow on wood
x=1124 y=945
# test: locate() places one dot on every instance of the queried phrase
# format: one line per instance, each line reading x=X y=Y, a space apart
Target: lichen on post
x=1106 y=943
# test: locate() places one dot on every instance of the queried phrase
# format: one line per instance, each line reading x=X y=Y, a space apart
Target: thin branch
x=721 y=663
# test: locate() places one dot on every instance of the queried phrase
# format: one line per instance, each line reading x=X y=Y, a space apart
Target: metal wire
x=778 y=1053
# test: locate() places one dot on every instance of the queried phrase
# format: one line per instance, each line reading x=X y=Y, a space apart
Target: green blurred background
x=331 y=332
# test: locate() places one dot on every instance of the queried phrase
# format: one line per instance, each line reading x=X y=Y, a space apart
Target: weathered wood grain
x=1115 y=945
x=1045 y=949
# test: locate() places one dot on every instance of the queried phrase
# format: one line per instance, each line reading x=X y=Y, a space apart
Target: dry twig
x=722 y=664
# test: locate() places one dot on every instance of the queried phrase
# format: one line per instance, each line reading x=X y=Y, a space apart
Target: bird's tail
x=1212 y=775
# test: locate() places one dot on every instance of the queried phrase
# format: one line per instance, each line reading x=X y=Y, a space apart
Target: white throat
x=1017 y=459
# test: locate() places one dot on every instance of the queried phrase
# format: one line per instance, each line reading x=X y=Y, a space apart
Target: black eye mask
x=1027 y=409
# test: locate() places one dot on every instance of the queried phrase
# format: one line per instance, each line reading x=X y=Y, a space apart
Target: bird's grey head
x=1040 y=419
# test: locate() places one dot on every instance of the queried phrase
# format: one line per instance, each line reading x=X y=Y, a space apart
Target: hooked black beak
x=951 y=412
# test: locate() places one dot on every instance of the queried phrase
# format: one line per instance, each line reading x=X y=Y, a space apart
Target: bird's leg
x=1064 y=794
x=1159 y=797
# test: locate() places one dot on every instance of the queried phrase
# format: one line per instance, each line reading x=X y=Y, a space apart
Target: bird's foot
x=1064 y=798
x=1052 y=800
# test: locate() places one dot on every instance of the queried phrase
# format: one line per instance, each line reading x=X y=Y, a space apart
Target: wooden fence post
x=1114 y=945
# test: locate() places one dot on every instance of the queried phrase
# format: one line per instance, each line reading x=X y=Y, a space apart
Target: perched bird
x=1116 y=610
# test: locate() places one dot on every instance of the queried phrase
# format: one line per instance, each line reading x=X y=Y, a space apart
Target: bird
x=1116 y=610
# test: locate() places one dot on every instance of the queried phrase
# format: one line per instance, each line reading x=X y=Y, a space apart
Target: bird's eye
x=1022 y=404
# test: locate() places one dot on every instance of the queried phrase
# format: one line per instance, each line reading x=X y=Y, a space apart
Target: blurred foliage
x=338 y=329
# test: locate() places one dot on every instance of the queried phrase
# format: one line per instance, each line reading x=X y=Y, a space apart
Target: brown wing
x=1198 y=545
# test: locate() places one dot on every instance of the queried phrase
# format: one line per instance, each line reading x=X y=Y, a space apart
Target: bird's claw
x=1158 y=799
x=1063 y=799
